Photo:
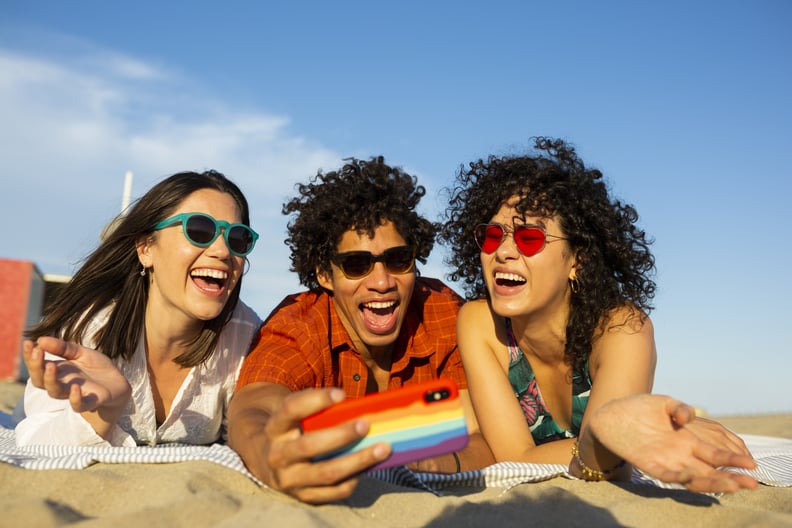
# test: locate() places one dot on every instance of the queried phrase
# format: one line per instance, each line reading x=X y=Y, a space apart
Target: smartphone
x=418 y=421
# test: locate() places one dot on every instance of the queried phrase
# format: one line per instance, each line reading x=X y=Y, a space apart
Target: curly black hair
x=613 y=253
x=362 y=195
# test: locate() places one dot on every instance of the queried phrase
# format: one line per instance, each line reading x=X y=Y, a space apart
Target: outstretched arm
x=264 y=428
x=92 y=384
x=653 y=433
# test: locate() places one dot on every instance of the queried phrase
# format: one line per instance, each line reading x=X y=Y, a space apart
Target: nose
x=507 y=248
x=380 y=279
x=219 y=247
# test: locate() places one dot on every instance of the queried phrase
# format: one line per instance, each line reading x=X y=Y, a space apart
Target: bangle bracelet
x=593 y=474
x=456 y=459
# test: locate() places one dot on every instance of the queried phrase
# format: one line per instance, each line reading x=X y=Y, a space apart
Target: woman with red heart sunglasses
x=556 y=342
x=144 y=344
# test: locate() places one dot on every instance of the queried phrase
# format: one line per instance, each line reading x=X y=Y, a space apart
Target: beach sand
x=203 y=494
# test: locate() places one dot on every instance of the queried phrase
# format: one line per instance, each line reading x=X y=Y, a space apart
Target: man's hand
x=663 y=438
x=264 y=428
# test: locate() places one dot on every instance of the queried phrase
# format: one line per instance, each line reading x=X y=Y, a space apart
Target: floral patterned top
x=523 y=382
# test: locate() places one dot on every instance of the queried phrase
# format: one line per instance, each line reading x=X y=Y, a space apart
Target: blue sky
x=684 y=106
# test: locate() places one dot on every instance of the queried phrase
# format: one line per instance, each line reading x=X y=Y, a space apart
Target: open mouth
x=379 y=316
x=509 y=279
x=209 y=279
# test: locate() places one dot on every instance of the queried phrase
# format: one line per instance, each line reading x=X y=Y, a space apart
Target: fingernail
x=337 y=395
x=381 y=451
x=361 y=427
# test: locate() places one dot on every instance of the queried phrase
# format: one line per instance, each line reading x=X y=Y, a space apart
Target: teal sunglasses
x=201 y=230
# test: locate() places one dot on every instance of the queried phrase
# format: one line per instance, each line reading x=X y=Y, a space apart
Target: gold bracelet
x=593 y=474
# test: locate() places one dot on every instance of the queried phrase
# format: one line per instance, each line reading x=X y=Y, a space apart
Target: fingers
x=49 y=375
x=681 y=413
x=51 y=383
x=59 y=347
x=293 y=460
x=40 y=369
x=722 y=437
x=76 y=399
x=295 y=449
x=717 y=457
x=709 y=480
x=300 y=405
x=34 y=361
x=331 y=475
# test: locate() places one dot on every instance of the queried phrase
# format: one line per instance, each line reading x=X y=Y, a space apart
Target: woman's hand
x=86 y=377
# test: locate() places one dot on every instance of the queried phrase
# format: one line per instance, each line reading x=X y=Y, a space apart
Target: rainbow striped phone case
x=418 y=421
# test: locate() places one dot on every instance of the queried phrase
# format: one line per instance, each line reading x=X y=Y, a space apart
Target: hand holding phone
x=418 y=421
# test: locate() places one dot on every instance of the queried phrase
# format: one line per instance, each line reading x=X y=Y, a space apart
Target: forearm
x=476 y=455
x=248 y=414
x=103 y=421
x=591 y=460
x=52 y=421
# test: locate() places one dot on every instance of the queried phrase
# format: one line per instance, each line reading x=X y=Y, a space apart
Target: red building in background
x=24 y=291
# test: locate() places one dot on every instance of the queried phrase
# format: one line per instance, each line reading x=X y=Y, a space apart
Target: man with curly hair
x=367 y=323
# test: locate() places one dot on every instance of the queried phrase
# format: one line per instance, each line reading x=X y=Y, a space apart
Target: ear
x=324 y=278
x=573 y=271
x=143 y=248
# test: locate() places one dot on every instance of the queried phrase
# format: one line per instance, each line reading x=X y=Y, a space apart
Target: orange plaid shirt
x=303 y=344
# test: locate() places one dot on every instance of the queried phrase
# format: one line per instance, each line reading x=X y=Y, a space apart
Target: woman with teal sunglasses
x=144 y=344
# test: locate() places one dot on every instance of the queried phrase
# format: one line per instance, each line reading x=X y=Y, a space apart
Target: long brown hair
x=110 y=276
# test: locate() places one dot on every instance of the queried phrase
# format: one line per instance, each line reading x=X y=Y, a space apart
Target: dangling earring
x=574 y=285
x=143 y=271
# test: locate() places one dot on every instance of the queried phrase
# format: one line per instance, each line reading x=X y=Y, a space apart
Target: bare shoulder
x=476 y=309
x=628 y=319
x=477 y=328
x=627 y=339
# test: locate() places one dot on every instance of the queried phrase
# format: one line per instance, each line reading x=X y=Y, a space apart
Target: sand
x=204 y=494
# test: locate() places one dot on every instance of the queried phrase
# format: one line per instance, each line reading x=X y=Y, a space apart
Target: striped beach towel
x=773 y=456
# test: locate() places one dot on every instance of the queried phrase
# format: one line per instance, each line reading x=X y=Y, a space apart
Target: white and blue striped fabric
x=773 y=456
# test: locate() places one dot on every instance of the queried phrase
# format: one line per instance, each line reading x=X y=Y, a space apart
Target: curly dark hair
x=362 y=195
x=110 y=276
x=613 y=253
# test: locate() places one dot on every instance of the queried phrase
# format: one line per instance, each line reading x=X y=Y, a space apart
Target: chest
x=554 y=383
x=165 y=381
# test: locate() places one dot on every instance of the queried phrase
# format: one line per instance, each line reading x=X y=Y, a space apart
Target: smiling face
x=372 y=308
x=186 y=279
x=534 y=286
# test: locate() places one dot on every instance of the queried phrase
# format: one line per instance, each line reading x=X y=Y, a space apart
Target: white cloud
x=72 y=129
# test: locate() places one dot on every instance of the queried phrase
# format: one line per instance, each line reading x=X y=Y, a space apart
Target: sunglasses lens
x=357 y=265
x=399 y=260
x=529 y=240
x=489 y=237
x=240 y=240
x=200 y=230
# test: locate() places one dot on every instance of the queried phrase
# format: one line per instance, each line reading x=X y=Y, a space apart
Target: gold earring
x=574 y=285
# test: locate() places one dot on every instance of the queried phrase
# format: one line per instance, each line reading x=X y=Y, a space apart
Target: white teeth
x=379 y=305
x=513 y=277
x=213 y=273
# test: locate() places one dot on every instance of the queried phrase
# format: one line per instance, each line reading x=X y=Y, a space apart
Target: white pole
x=127 y=196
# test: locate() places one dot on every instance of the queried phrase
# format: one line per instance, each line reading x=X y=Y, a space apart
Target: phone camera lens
x=437 y=395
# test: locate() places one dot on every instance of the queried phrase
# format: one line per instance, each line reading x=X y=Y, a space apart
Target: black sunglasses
x=358 y=264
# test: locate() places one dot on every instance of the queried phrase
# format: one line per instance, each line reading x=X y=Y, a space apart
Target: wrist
x=456 y=462
x=593 y=473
